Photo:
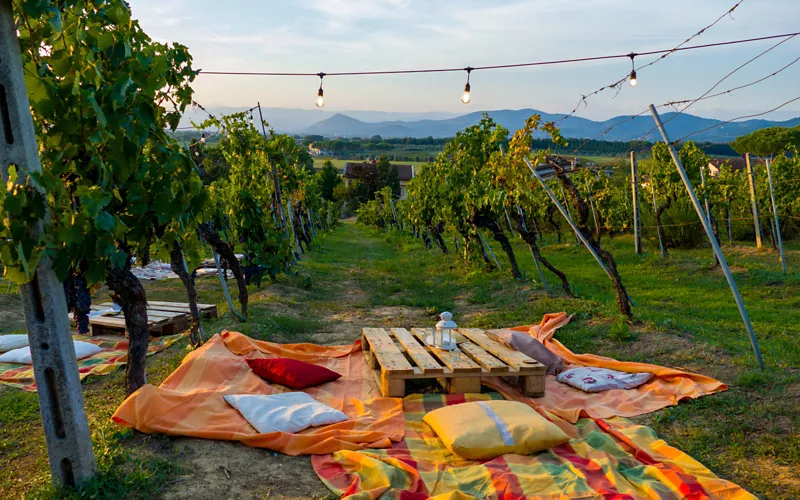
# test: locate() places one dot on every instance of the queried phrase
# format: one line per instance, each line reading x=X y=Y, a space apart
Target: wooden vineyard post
x=637 y=230
x=705 y=200
x=710 y=233
x=751 y=179
x=61 y=405
x=778 y=237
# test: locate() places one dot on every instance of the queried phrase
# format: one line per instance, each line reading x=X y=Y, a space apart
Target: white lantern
x=444 y=338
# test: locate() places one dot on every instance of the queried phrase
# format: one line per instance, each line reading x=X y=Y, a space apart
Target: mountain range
x=434 y=124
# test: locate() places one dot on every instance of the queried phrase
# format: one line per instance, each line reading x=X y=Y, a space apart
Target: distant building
x=404 y=174
x=735 y=163
x=318 y=152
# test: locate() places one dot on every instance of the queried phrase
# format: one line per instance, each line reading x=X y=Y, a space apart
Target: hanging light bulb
x=632 y=77
x=320 y=101
x=465 y=98
x=203 y=138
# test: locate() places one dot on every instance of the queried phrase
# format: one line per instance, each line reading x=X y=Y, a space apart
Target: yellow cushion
x=487 y=429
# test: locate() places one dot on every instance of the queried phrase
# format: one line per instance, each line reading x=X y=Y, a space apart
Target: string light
x=465 y=98
x=632 y=78
x=320 y=101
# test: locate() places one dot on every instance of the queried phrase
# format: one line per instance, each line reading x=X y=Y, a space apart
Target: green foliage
x=102 y=95
x=619 y=331
x=768 y=141
x=329 y=180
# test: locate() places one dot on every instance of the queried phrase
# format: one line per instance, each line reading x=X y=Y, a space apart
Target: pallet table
x=163 y=318
x=397 y=355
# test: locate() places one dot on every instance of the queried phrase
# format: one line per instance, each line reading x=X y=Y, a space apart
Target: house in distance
x=361 y=170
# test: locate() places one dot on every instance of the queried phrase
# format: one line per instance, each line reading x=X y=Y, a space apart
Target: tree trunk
x=489 y=223
x=130 y=295
x=530 y=239
x=176 y=263
x=436 y=231
x=660 y=228
x=623 y=302
x=728 y=218
x=550 y=214
x=226 y=253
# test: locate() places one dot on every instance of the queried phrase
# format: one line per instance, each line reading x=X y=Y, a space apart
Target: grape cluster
x=79 y=300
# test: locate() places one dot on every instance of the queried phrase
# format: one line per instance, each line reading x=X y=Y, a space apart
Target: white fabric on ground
x=288 y=412
x=23 y=356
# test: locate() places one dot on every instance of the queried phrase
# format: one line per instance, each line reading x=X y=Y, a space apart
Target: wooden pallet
x=398 y=355
x=163 y=318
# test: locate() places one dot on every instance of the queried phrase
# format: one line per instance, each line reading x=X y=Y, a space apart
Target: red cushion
x=292 y=373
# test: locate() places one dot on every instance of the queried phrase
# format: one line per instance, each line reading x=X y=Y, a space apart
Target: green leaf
x=105 y=221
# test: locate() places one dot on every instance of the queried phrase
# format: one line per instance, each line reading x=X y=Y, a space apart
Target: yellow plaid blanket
x=605 y=459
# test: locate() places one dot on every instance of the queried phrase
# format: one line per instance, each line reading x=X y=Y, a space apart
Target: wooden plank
x=205 y=309
x=532 y=386
x=419 y=354
x=389 y=356
x=483 y=358
x=463 y=385
x=392 y=387
x=462 y=365
x=511 y=357
x=180 y=304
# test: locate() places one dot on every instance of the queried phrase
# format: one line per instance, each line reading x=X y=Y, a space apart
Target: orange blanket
x=667 y=387
x=190 y=403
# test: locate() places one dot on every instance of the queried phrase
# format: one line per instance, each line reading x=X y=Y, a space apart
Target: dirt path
x=220 y=469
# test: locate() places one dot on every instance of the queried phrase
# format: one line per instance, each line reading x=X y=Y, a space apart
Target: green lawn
x=358 y=277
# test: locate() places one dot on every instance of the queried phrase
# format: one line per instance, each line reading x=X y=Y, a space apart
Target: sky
x=354 y=35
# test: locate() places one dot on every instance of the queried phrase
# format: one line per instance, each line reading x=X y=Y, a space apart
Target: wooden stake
x=637 y=230
x=710 y=233
x=751 y=178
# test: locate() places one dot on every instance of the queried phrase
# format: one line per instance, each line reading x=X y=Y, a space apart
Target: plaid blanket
x=114 y=355
x=604 y=459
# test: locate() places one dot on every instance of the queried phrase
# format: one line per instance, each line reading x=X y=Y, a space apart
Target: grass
x=685 y=318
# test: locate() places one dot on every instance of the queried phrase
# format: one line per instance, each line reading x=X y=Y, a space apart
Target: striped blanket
x=605 y=459
x=114 y=355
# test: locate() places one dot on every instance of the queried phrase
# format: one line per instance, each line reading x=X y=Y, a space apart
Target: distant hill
x=341 y=125
x=439 y=124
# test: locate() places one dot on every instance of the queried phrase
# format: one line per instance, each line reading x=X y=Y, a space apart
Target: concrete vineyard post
x=710 y=233
x=655 y=209
x=778 y=237
x=751 y=179
x=637 y=231
x=61 y=405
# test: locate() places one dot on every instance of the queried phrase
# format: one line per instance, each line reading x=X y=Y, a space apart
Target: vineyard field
x=364 y=277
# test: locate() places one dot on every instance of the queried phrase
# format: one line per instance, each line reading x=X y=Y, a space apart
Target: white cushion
x=590 y=379
x=23 y=356
x=11 y=342
x=288 y=412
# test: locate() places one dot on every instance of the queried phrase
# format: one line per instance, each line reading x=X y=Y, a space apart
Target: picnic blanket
x=604 y=459
x=190 y=401
x=667 y=387
x=114 y=355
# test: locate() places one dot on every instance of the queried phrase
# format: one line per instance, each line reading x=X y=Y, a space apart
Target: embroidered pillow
x=591 y=379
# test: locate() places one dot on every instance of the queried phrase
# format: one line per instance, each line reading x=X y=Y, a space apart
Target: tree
x=768 y=141
x=329 y=179
x=102 y=95
x=387 y=176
